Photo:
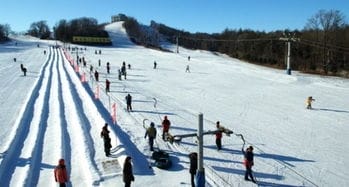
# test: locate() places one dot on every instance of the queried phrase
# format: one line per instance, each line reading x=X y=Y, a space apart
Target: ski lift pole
x=200 y=177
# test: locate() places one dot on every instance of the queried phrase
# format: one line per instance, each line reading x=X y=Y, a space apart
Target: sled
x=162 y=159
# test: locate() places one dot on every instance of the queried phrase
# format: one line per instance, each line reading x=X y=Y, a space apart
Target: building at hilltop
x=119 y=17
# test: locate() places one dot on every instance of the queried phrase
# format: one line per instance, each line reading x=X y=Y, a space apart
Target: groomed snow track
x=47 y=119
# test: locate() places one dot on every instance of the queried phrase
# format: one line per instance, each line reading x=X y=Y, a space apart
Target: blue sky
x=211 y=16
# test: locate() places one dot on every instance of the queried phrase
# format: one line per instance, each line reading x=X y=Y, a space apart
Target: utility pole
x=200 y=177
x=288 y=38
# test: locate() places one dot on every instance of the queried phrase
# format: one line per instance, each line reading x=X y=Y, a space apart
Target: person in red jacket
x=60 y=173
x=219 y=136
x=248 y=162
x=165 y=127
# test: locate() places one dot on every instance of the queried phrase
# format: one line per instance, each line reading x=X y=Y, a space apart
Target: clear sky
x=211 y=16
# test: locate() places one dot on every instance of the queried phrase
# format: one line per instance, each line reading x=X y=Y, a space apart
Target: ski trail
x=16 y=152
x=65 y=138
x=36 y=136
x=79 y=127
x=56 y=134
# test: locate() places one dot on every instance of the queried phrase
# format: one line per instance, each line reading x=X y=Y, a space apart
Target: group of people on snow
x=61 y=174
x=151 y=133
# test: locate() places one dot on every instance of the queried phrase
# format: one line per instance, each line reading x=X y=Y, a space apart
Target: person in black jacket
x=129 y=102
x=193 y=166
x=127 y=172
x=106 y=139
x=248 y=162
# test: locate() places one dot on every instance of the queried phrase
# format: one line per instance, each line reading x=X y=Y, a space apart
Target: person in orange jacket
x=165 y=127
x=60 y=173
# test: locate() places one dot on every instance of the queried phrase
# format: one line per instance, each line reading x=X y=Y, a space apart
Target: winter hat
x=152 y=124
x=128 y=158
x=217 y=124
x=61 y=161
x=165 y=117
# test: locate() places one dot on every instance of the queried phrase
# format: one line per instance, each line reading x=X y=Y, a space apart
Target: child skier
x=309 y=101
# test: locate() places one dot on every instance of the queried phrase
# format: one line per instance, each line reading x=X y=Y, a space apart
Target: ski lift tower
x=288 y=37
x=200 y=176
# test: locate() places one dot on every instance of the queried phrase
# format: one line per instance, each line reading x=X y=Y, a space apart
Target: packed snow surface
x=51 y=113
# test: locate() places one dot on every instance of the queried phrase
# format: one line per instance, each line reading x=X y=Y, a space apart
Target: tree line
x=4 y=32
x=88 y=27
x=322 y=47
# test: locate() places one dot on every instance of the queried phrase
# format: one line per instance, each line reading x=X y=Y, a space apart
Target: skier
x=188 y=58
x=129 y=66
x=248 y=162
x=119 y=74
x=127 y=172
x=193 y=166
x=108 y=67
x=123 y=68
x=129 y=102
x=91 y=68
x=187 y=69
x=309 y=101
x=155 y=64
x=60 y=173
x=96 y=75
x=24 y=70
x=165 y=127
x=84 y=61
x=107 y=85
x=219 y=136
x=151 y=133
